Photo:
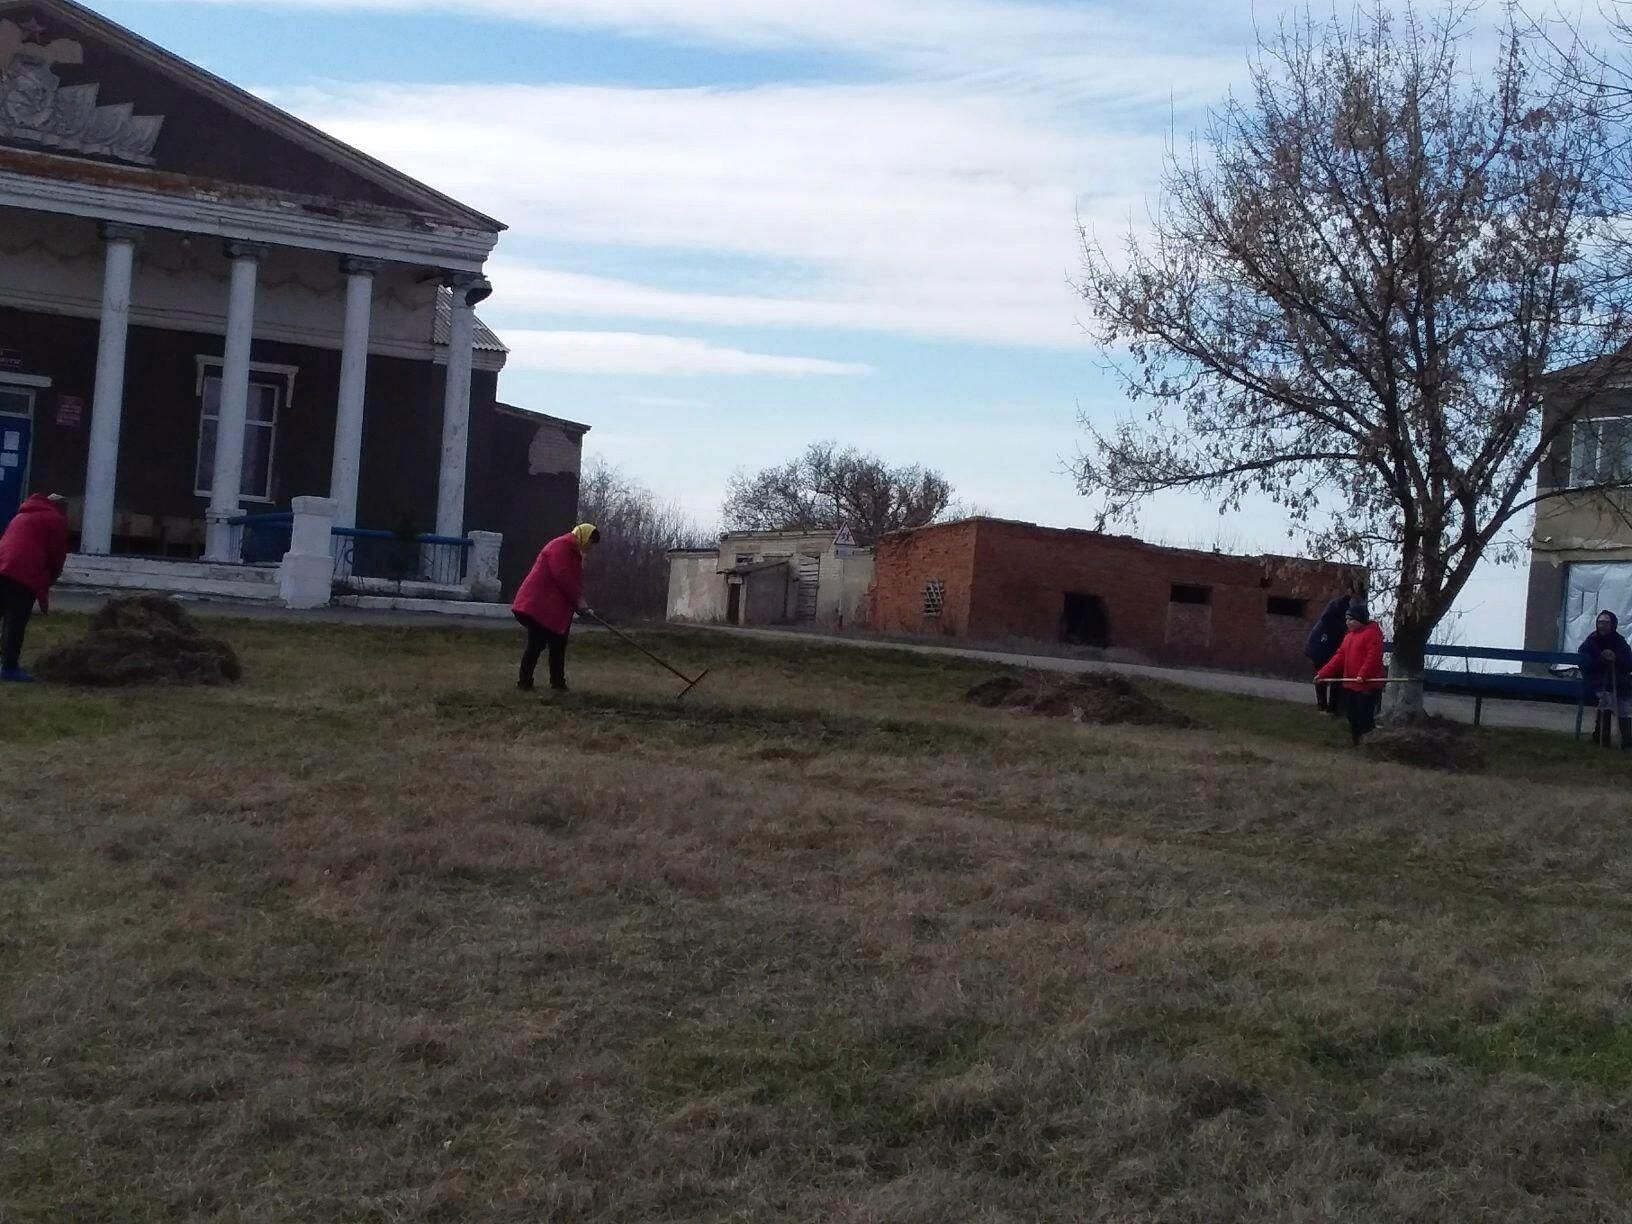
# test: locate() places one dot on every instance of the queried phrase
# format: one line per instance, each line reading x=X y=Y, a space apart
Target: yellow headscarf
x=584 y=533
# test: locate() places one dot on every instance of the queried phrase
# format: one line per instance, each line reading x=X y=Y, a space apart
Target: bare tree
x=629 y=571
x=1354 y=295
x=826 y=488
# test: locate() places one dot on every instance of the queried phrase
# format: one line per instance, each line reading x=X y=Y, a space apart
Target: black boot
x=1598 y=728
x=1606 y=729
x=1626 y=735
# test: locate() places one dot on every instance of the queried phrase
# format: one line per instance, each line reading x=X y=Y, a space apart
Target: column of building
x=107 y=405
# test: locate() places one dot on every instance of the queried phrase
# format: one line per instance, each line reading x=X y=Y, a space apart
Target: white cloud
x=637 y=353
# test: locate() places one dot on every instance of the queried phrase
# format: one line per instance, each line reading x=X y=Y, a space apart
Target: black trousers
x=539 y=640
x=16 y=607
x=1362 y=709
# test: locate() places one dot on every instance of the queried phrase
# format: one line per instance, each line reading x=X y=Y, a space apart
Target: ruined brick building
x=993 y=580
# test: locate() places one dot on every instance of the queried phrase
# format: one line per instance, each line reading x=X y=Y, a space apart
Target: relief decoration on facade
x=35 y=106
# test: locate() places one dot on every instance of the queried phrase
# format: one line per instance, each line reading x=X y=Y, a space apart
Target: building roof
x=814 y=532
x=544 y=418
x=1078 y=533
x=487 y=341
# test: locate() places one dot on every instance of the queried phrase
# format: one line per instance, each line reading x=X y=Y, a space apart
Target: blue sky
x=739 y=226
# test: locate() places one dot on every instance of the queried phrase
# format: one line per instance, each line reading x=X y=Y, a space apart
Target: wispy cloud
x=916 y=208
x=637 y=353
x=938 y=199
x=1041 y=38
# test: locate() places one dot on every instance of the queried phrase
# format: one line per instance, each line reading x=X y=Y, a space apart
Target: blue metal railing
x=362 y=553
x=261 y=539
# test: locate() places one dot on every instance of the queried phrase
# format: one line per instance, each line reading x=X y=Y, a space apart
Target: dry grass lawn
x=376 y=938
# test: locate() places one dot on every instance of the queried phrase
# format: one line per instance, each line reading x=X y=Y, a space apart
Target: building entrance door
x=16 y=445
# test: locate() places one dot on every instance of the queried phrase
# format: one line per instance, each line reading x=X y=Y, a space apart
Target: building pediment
x=37 y=108
x=78 y=86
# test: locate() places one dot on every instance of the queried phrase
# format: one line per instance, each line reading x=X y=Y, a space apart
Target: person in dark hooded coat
x=1606 y=675
x=1325 y=637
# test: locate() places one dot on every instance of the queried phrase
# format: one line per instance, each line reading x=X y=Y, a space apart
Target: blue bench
x=1505 y=686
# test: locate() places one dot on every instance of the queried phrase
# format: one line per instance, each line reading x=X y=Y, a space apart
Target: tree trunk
x=1403 y=701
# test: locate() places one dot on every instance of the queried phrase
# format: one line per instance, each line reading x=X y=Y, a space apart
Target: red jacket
x=551 y=593
x=1358 y=660
x=34 y=547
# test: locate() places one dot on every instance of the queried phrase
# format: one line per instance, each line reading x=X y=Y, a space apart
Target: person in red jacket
x=1359 y=664
x=547 y=600
x=33 y=551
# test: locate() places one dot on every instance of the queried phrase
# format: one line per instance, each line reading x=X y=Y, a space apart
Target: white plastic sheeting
x=1589 y=589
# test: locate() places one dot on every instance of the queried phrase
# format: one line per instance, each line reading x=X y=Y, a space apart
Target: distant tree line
x=827 y=487
x=628 y=573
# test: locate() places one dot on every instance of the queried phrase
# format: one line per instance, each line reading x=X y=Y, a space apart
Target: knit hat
x=1358 y=612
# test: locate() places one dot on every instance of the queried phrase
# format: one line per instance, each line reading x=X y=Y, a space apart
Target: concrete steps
x=252 y=583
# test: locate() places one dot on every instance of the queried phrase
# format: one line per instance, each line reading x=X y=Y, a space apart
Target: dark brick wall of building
x=503 y=496
x=1015 y=581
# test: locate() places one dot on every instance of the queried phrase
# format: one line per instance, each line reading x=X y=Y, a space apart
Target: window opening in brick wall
x=1084 y=621
x=934 y=597
x=1191 y=594
x=1281 y=605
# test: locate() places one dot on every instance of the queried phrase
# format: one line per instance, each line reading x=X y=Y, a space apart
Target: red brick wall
x=903 y=564
x=1009 y=580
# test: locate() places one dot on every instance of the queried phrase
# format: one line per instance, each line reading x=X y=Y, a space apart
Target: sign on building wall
x=10 y=359
x=70 y=411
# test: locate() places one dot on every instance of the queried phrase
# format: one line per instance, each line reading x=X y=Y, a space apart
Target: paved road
x=1497 y=713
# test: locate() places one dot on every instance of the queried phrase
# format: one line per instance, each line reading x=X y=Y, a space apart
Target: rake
x=668 y=667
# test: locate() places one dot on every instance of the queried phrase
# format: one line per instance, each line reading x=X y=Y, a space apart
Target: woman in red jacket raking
x=33 y=551
x=549 y=597
x=1359 y=664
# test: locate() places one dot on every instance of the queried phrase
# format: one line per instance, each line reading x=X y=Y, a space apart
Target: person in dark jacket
x=1324 y=638
x=33 y=551
x=1606 y=675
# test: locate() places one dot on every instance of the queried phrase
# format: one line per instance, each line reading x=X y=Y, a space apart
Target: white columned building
x=213 y=312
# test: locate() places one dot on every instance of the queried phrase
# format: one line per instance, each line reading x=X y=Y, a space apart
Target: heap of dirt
x=141 y=639
x=1101 y=699
x=1433 y=743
